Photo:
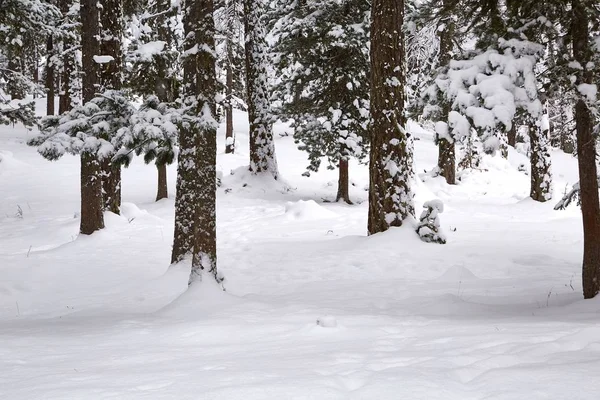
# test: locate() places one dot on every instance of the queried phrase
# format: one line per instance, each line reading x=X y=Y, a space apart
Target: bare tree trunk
x=49 y=77
x=92 y=218
x=343 y=186
x=262 y=146
x=512 y=135
x=110 y=78
x=229 y=139
x=586 y=154
x=195 y=202
x=390 y=169
x=447 y=151
x=541 y=178
x=162 y=192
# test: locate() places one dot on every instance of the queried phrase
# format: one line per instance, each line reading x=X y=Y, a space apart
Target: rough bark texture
x=447 y=151
x=262 y=147
x=195 y=203
x=162 y=192
x=512 y=135
x=111 y=78
x=229 y=140
x=92 y=218
x=343 y=187
x=586 y=156
x=541 y=178
x=390 y=169
x=49 y=77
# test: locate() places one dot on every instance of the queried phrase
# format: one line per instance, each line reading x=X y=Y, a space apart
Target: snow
x=103 y=59
x=495 y=313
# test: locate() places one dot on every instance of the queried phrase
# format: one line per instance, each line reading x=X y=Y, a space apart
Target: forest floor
x=496 y=313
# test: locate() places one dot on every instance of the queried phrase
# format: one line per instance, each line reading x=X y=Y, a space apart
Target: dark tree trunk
x=541 y=179
x=586 y=154
x=111 y=79
x=162 y=192
x=92 y=218
x=195 y=202
x=49 y=77
x=447 y=152
x=262 y=146
x=229 y=140
x=343 y=187
x=512 y=135
x=64 y=102
x=447 y=160
x=390 y=168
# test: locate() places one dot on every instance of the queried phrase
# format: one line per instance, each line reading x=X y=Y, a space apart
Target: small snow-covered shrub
x=429 y=222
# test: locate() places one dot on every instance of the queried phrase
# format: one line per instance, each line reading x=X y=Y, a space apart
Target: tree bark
x=229 y=140
x=195 y=202
x=49 y=77
x=111 y=79
x=262 y=146
x=447 y=151
x=512 y=135
x=343 y=186
x=541 y=178
x=586 y=154
x=390 y=167
x=162 y=192
x=92 y=218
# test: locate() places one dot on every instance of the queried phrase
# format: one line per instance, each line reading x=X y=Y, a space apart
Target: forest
x=294 y=199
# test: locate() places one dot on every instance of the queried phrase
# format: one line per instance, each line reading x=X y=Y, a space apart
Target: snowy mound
x=7 y=161
x=457 y=273
x=307 y=210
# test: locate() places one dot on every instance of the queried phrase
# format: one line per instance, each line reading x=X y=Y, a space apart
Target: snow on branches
x=429 y=222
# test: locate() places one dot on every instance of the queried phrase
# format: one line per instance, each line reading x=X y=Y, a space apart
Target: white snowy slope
x=314 y=309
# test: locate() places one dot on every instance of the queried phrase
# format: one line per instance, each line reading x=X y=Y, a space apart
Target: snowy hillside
x=496 y=313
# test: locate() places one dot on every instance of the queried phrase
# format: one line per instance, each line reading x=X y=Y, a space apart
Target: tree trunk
x=49 y=77
x=64 y=102
x=541 y=178
x=586 y=154
x=390 y=168
x=195 y=202
x=512 y=135
x=262 y=146
x=229 y=140
x=111 y=79
x=343 y=187
x=92 y=218
x=162 y=192
x=447 y=152
x=447 y=160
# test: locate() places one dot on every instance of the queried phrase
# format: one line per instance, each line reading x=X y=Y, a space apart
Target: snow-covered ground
x=496 y=313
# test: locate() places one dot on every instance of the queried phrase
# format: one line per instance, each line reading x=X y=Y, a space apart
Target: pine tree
x=390 y=170
x=195 y=203
x=327 y=102
x=262 y=146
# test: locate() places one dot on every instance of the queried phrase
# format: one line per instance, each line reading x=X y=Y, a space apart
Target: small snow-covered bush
x=429 y=222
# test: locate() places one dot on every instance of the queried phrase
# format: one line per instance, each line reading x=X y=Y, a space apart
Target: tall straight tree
x=92 y=218
x=195 y=202
x=111 y=79
x=390 y=169
x=262 y=147
x=586 y=148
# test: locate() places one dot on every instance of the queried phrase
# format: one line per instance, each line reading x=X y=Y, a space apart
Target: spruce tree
x=390 y=169
x=327 y=101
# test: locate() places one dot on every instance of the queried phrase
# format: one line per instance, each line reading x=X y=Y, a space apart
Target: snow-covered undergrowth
x=495 y=313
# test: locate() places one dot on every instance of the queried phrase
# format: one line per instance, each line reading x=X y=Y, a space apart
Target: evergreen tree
x=262 y=146
x=324 y=84
x=391 y=169
x=195 y=203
